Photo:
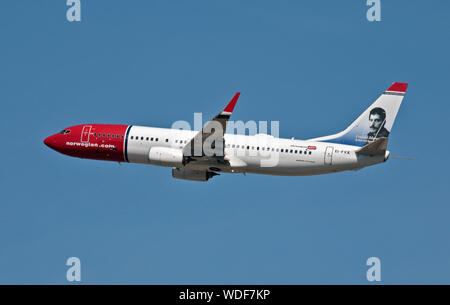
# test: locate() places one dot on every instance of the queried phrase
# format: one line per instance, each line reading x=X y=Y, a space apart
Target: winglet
x=229 y=108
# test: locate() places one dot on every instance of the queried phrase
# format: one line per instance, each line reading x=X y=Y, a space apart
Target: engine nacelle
x=192 y=174
x=166 y=156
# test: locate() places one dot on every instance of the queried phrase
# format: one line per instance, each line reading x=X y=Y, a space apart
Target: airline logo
x=85 y=134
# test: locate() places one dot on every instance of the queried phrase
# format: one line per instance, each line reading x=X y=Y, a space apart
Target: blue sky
x=312 y=65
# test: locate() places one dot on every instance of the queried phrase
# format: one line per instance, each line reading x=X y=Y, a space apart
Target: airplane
x=201 y=155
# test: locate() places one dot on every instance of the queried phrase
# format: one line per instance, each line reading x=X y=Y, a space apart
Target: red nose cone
x=50 y=142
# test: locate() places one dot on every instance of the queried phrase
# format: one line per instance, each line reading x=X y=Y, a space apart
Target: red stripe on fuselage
x=91 y=141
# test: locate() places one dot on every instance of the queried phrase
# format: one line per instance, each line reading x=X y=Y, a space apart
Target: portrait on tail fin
x=377 y=122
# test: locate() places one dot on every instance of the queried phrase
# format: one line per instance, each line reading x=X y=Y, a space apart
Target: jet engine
x=192 y=174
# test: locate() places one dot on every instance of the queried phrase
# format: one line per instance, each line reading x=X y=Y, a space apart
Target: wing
x=209 y=142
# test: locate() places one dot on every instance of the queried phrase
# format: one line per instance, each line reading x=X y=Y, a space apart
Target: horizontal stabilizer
x=376 y=148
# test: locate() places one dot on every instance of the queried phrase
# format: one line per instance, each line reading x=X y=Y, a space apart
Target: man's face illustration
x=375 y=122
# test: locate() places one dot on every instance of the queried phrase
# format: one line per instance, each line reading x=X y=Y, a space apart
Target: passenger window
x=156 y=139
x=108 y=135
x=309 y=152
x=142 y=138
x=131 y=137
x=282 y=150
x=291 y=151
x=167 y=140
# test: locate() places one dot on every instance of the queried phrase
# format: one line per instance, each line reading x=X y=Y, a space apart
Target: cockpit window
x=65 y=131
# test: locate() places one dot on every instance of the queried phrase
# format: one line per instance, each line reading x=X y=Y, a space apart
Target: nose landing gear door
x=328 y=155
x=85 y=134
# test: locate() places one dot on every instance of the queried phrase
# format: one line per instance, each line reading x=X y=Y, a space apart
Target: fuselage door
x=85 y=133
x=329 y=155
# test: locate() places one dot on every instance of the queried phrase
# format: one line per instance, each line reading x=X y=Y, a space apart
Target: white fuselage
x=260 y=154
